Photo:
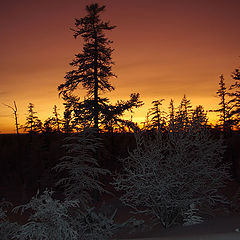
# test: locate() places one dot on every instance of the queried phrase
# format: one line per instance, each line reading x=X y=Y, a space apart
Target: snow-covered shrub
x=168 y=172
x=52 y=219
x=137 y=225
x=49 y=220
x=94 y=225
x=190 y=217
x=7 y=229
x=82 y=171
x=81 y=167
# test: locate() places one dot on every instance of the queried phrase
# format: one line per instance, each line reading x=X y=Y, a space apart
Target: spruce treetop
x=93 y=67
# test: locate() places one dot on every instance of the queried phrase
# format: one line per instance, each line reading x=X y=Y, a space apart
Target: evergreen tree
x=70 y=106
x=56 y=118
x=147 y=122
x=48 y=125
x=111 y=117
x=77 y=114
x=81 y=166
x=33 y=123
x=235 y=101
x=93 y=69
x=199 y=115
x=224 y=109
x=158 y=119
x=52 y=124
x=171 y=112
x=184 y=111
x=94 y=65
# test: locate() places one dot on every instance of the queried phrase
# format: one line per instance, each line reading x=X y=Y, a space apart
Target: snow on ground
x=229 y=236
x=222 y=228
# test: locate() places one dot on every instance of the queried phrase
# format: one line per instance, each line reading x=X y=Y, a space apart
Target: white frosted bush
x=7 y=229
x=82 y=171
x=190 y=217
x=80 y=166
x=49 y=219
x=171 y=170
x=95 y=225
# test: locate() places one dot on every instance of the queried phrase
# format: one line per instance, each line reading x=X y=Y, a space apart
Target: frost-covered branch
x=80 y=166
x=169 y=171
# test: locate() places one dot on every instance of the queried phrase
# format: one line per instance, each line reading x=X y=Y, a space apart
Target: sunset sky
x=163 y=49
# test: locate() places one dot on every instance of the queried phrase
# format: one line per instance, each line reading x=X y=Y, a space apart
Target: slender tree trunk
x=158 y=119
x=16 y=122
x=96 y=103
x=16 y=119
x=224 y=116
x=96 y=194
x=58 y=128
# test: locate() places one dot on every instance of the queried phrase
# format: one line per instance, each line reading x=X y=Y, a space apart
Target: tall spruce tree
x=33 y=123
x=158 y=119
x=94 y=64
x=184 y=111
x=56 y=118
x=171 y=112
x=235 y=101
x=224 y=107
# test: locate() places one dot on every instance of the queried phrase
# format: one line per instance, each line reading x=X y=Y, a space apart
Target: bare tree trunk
x=15 y=115
x=16 y=119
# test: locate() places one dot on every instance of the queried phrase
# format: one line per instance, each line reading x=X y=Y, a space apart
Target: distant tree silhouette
x=199 y=115
x=171 y=110
x=235 y=101
x=157 y=115
x=48 y=125
x=53 y=124
x=15 y=115
x=33 y=123
x=184 y=111
x=56 y=118
x=224 y=109
x=147 y=122
x=93 y=69
x=222 y=93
